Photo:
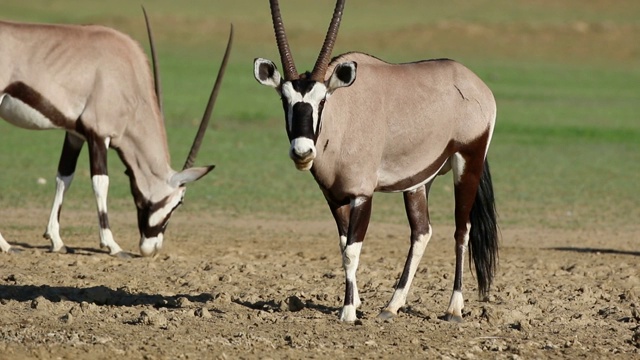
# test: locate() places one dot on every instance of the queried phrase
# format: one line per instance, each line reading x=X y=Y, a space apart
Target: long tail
x=483 y=240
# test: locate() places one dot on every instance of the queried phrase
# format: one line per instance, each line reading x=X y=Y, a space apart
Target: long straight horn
x=289 y=68
x=209 y=109
x=322 y=63
x=154 y=62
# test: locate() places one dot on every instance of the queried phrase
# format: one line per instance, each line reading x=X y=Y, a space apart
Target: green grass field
x=566 y=75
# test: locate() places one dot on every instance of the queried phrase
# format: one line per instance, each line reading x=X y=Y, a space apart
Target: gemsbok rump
x=95 y=83
x=362 y=125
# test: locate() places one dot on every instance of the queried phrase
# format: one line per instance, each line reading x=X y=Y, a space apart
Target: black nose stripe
x=302 y=120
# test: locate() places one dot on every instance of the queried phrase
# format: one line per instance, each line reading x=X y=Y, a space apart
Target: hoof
x=14 y=250
x=386 y=315
x=453 y=318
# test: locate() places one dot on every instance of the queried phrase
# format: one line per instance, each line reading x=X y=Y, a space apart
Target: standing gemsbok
x=362 y=125
x=95 y=83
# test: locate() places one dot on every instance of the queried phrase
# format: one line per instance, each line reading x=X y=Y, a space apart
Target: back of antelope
x=362 y=125
x=95 y=83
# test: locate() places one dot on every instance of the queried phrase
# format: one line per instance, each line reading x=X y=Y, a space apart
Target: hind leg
x=466 y=177
x=66 y=169
x=416 y=206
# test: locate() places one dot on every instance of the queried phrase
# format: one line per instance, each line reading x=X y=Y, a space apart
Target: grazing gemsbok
x=392 y=128
x=95 y=83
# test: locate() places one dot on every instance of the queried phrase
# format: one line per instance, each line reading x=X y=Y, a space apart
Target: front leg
x=360 y=214
x=100 y=182
x=5 y=247
x=66 y=169
x=341 y=214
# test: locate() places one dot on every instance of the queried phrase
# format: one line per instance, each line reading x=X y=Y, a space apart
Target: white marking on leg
x=350 y=260
x=457 y=165
x=4 y=245
x=100 y=189
x=456 y=304
x=399 y=298
x=343 y=243
x=466 y=238
x=53 y=226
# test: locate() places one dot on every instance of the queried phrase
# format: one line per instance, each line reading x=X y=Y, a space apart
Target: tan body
x=362 y=125
x=407 y=135
x=95 y=83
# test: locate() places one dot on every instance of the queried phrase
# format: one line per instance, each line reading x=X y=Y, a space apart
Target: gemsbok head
x=95 y=83
x=362 y=125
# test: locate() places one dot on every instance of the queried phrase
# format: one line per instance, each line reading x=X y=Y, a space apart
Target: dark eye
x=322 y=103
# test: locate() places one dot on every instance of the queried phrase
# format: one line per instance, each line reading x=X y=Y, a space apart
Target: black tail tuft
x=483 y=240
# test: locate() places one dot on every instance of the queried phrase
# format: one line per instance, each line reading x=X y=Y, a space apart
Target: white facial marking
x=160 y=214
x=151 y=246
x=22 y=115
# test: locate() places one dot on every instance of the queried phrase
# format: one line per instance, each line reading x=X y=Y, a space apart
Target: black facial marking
x=302 y=121
x=302 y=86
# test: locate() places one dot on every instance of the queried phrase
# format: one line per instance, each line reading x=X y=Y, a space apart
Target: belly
x=22 y=115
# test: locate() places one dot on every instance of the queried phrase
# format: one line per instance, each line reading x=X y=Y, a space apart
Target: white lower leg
x=4 y=245
x=399 y=298
x=100 y=189
x=350 y=260
x=343 y=243
x=456 y=304
x=53 y=226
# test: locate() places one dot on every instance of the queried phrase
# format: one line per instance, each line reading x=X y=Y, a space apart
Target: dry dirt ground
x=234 y=288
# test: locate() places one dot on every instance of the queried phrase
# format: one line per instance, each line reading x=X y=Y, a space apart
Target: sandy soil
x=228 y=288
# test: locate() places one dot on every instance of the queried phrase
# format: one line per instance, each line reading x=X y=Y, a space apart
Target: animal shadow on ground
x=84 y=251
x=99 y=295
x=596 y=250
x=285 y=305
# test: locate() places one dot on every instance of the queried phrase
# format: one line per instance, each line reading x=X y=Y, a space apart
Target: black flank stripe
x=34 y=99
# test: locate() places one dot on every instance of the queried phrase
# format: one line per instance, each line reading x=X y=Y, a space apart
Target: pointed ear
x=344 y=75
x=189 y=175
x=266 y=72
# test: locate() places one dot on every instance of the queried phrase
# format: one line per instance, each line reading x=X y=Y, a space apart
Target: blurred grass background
x=566 y=75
